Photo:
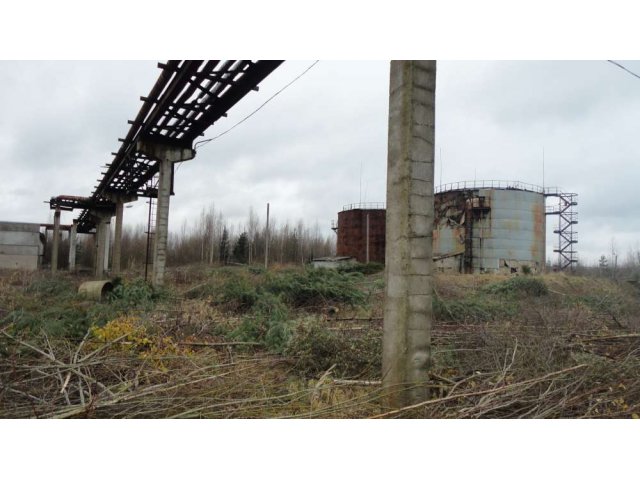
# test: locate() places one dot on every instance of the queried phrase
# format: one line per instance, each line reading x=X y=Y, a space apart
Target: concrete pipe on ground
x=96 y=289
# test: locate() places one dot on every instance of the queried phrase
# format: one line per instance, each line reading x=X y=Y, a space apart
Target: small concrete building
x=21 y=245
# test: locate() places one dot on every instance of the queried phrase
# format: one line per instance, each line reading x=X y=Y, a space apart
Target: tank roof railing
x=364 y=206
x=495 y=184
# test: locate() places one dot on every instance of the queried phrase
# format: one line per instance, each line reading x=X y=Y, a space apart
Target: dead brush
x=494 y=356
x=112 y=376
x=516 y=370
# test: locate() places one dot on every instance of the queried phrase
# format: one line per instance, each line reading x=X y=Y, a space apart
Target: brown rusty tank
x=352 y=232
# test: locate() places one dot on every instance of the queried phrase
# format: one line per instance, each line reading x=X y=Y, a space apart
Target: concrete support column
x=73 y=239
x=56 y=241
x=102 y=245
x=166 y=155
x=119 y=199
x=117 y=239
x=162 y=223
x=409 y=226
x=107 y=243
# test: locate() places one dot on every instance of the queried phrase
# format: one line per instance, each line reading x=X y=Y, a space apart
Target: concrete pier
x=55 y=247
x=409 y=226
x=166 y=155
x=162 y=223
x=73 y=243
x=103 y=232
x=117 y=240
x=119 y=199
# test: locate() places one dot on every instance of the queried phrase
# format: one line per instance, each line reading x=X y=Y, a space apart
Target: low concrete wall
x=20 y=245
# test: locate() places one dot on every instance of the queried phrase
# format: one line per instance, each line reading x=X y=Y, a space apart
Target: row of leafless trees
x=211 y=238
x=614 y=265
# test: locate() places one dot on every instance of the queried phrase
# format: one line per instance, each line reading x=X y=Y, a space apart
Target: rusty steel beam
x=188 y=97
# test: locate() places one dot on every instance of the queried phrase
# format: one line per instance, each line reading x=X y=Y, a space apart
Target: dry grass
x=571 y=353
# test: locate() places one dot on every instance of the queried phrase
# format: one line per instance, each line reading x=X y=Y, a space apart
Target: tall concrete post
x=103 y=229
x=117 y=239
x=56 y=241
x=166 y=156
x=406 y=353
x=73 y=240
x=266 y=241
x=107 y=243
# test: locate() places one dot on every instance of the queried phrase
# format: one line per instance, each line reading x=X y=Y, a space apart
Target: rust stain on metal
x=539 y=231
x=352 y=234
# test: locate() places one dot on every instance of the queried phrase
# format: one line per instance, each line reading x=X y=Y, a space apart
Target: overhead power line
x=204 y=142
x=624 y=68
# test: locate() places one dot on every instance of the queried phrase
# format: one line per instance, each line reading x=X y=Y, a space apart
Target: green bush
x=315 y=349
x=237 y=294
x=136 y=293
x=229 y=288
x=67 y=321
x=475 y=308
x=51 y=287
x=268 y=323
x=364 y=268
x=60 y=312
x=531 y=286
x=315 y=287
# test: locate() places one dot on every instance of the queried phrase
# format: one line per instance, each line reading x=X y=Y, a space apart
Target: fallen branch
x=481 y=392
x=217 y=344
x=360 y=383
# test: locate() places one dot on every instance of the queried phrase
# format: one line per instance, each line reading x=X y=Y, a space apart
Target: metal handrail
x=495 y=184
x=364 y=206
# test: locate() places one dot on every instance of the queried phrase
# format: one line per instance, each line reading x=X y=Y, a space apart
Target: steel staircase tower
x=567 y=236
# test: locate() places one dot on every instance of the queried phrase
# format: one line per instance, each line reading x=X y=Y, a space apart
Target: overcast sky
x=322 y=142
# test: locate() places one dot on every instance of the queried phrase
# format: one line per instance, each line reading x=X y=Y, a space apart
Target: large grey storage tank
x=489 y=226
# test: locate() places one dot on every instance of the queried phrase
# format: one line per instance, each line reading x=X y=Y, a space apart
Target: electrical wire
x=624 y=68
x=204 y=142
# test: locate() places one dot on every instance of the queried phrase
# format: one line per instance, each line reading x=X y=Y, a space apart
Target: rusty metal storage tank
x=361 y=232
x=489 y=226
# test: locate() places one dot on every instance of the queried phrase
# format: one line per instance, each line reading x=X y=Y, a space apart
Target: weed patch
x=529 y=286
x=473 y=309
x=316 y=287
x=316 y=348
x=363 y=268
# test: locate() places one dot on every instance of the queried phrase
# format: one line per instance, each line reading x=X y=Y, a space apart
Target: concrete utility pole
x=266 y=242
x=166 y=155
x=56 y=241
x=408 y=312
